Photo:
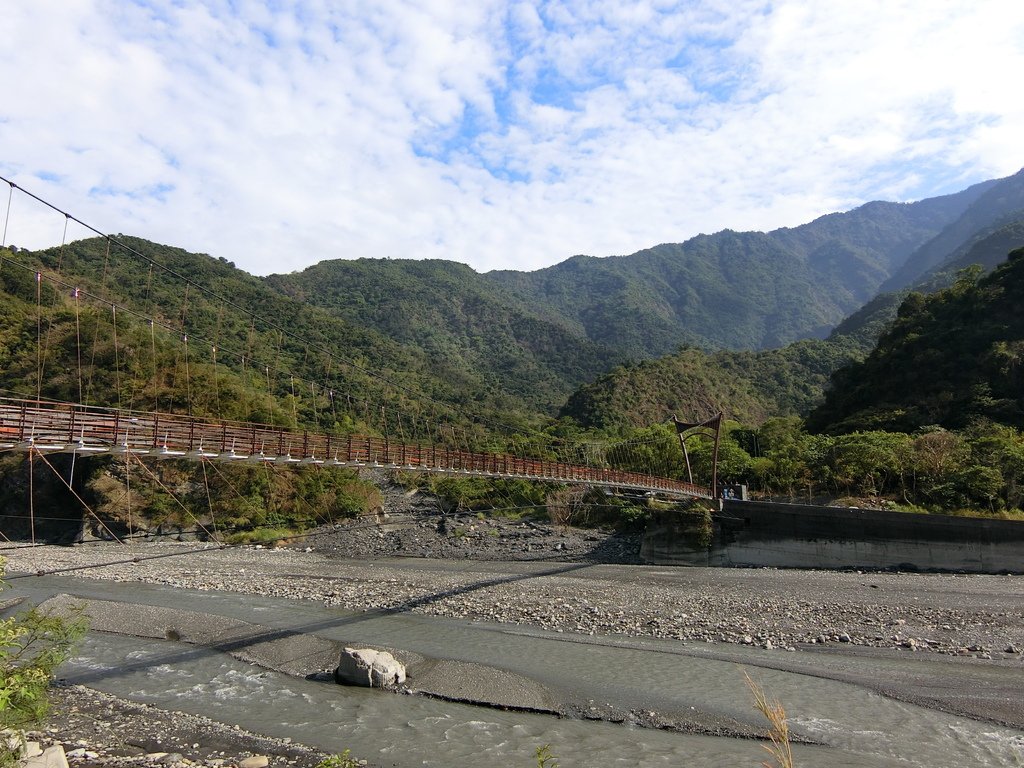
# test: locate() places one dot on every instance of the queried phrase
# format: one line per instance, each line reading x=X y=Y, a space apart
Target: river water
x=855 y=726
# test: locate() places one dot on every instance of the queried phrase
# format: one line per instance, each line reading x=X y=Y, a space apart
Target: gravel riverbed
x=528 y=574
x=965 y=615
x=97 y=729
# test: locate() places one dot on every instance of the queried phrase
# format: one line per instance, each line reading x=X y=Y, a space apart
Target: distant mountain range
x=730 y=290
x=949 y=359
x=551 y=330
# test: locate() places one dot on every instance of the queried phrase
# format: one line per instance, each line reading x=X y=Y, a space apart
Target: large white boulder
x=369 y=667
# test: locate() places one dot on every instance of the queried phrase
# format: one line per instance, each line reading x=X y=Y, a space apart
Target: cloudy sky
x=499 y=134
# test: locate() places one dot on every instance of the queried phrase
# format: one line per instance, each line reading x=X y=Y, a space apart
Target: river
x=854 y=726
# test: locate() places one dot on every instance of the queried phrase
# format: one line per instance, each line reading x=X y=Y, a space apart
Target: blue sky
x=505 y=135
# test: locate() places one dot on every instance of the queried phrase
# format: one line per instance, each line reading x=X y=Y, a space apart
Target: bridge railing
x=63 y=427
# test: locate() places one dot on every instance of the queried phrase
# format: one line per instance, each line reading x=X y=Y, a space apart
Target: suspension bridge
x=51 y=427
x=38 y=425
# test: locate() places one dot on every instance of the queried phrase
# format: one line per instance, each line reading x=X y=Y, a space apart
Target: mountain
x=460 y=319
x=986 y=249
x=541 y=335
x=519 y=344
x=283 y=347
x=547 y=331
x=747 y=386
x=949 y=358
x=1000 y=203
x=739 y=290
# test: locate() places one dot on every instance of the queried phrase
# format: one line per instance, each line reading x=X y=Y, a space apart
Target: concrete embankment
x=750 y=533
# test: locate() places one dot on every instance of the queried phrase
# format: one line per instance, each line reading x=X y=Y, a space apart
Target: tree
x=32 y=645
x=871 y=462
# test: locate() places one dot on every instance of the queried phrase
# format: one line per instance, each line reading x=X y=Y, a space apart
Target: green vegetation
x=544 y=757
x=245 y=504
x=747 y=386
x=511 y=497
x=458 y=318
x=344 y=760
x=739 y=290
x=949 y=359
x=32 y=646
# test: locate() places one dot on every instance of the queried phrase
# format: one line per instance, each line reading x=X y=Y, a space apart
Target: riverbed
x=861 y=702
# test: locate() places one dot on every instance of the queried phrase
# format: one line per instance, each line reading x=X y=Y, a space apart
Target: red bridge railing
x=66 y=428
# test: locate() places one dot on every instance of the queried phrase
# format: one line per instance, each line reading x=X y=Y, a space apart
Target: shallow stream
x=855 y=726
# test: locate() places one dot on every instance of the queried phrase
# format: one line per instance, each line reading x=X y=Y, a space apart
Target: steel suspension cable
x=7 y=215
x=117 y=355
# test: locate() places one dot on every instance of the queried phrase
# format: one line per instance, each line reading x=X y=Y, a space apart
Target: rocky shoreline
x=97 y=729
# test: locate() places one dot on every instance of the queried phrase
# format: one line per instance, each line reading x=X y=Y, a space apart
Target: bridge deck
x=64 y=428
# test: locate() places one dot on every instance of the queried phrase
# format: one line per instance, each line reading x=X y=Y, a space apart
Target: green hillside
x=948 y=359
x=59 y=346
x=458 y=318
x=294 y=348
x=988 y=248
x=538 y=335
x=738 y=290
x=1001 y=203
x=749 y=387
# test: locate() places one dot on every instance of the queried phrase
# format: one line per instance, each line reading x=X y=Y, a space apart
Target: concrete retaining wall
x=799 y=536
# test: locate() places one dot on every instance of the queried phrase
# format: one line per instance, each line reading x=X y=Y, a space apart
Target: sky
x=504 y=135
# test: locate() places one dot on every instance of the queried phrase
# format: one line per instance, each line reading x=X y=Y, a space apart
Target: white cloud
x=504 y=135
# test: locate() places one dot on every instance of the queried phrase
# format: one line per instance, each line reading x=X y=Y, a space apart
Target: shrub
x=344 y=760
x=32 y=645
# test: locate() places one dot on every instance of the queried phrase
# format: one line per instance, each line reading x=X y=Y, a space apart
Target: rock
x=52 y=757
x=370 y=668
x=1012 y=649
x=256 y=761
x=75 y=753
x=844 y=638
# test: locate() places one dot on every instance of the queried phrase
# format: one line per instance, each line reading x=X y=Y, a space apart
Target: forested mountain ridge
x=746 y=386
x=987 y=249
x=740 y=290
x=289 y=339
x=567 y=323
x=949 y=358
x=456 y=316
x=788 y=381
x=521 y=343
x=1001 y=203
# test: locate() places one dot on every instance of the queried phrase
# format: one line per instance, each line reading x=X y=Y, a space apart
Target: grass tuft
x=778 y=729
